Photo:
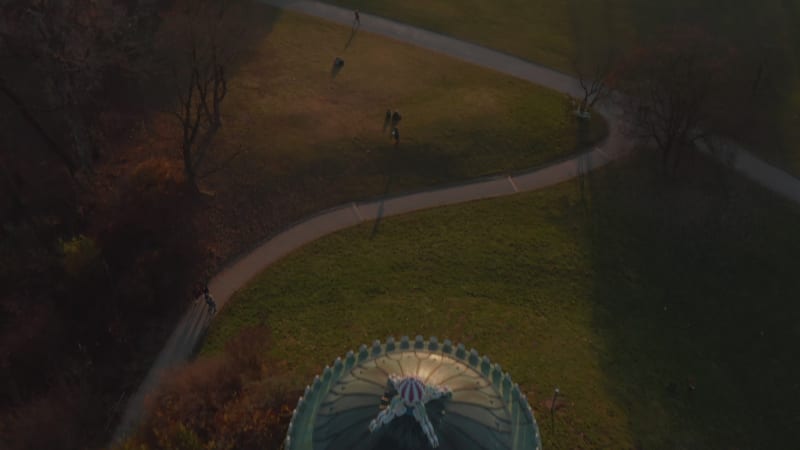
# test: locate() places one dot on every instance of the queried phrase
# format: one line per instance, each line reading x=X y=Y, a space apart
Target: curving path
x=190 y=329
x=727 y=151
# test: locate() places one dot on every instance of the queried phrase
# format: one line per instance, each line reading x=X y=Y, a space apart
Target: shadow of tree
x=691 y=295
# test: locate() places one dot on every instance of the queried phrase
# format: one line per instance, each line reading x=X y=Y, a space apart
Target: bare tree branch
x=223 y=165
x=668 y=89
x=52 y=145
x=595 y=88
x=198 y=29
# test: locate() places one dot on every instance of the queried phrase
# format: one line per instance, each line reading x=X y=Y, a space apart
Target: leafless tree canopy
x=55 y=54
x=201 y=40
x=670 y=89
x=594 y=82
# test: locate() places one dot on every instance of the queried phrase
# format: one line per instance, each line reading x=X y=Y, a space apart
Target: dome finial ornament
x=412 y=395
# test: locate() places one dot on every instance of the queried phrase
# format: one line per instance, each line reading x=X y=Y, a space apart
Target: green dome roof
x=486 y=409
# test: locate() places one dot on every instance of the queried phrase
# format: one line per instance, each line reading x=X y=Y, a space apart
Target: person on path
x=396 y=135
x=212 y=305
x=358 y=18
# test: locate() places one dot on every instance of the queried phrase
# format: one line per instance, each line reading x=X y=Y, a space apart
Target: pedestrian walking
x=396 y=135
x=358 y=17
x=212 y=305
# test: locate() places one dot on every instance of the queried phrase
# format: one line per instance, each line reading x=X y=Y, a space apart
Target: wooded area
x=98 y=252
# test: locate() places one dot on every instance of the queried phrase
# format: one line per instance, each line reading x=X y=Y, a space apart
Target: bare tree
x=199 y=121
x=670 y=91
x=202 y=46
x=594 y=83
x=56 y=53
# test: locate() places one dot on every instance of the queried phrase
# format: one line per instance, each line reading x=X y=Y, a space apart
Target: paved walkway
x=189 y=331
x=730 y=152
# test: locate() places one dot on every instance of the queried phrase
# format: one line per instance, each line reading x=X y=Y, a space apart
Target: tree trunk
x=757 y=80
x=189 y=168
x=82 y=140
x=665 y=151
x=12 y=187
x=28 y=116
x=676 y=159
x=220 y=90
x=19 y=203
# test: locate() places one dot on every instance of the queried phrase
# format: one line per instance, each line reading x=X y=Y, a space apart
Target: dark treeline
x=96 y=258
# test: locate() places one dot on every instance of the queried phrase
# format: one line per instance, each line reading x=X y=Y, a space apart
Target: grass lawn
x=311 y=141
x=623 y=293
x=557 y=32
x=296 y=120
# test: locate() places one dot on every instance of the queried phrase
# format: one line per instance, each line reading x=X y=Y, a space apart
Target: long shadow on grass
x=353 y=32
x=156 y=92
x=336 y=67
x=380 y=209
x=387 y=169
x=693 y=280
x=764 y=35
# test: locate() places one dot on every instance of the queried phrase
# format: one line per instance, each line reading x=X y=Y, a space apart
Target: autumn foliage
x=237 y=400
x=99 y=241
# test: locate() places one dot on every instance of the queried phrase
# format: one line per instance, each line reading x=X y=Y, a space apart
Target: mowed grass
x=545 y=31
x=308 y=131
x=557 y=33
x=662 y=309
